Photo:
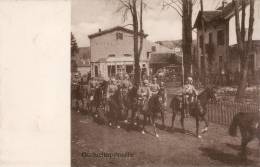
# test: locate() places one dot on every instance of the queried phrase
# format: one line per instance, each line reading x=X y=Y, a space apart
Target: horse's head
x=160 y=96
x=211 y=93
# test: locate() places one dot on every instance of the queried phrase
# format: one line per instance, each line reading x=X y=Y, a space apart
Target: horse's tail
x=234 y=124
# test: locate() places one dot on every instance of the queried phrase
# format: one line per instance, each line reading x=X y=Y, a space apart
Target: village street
x=172 y=148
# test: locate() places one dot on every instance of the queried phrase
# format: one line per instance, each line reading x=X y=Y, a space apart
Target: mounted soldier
x=154 y=87
x=189 y=94
x=112 y=88
x=163 y=93
x=144 y=94
x=126 y=84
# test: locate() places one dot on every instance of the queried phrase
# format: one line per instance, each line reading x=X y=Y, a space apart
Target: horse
x=130 y=103
x=249 y=125
x=116 y=107
x=85 y=94
x=176 y=105
x=75 y=96
x=155 y=107
x=197 y=109
x=99 y=98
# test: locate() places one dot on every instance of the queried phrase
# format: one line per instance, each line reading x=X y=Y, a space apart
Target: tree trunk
x=136 y=53
x=244 y=63
x=203 y=44
x=142 y=34
x=187 y=36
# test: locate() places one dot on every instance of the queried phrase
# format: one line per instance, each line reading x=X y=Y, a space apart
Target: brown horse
x=249 y=125
x=155 y=107
x=197 y=108
x=117 y=110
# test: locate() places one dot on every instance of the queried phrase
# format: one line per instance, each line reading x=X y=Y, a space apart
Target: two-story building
x=220 y=39
x=112 y=52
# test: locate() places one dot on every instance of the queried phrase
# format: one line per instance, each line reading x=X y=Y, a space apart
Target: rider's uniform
x=164 y=93
x=189 y=95
x=144 y=93
x=154 y=87
x=189 y=92
x=125 y=85
x=112 y=88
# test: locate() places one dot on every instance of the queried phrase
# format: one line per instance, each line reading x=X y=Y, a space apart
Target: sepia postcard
x=165 y=83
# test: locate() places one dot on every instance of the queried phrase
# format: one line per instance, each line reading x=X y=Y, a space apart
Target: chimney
x=99 y=30
x=224 y=4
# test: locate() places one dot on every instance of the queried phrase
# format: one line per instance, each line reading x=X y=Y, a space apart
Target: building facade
x=220 y=40
x=112 y=52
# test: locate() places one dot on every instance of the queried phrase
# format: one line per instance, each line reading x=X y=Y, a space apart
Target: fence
x=223 y=112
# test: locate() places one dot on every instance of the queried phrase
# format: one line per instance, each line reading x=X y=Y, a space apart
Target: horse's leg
x=162 y=115
x=154 y=126
x=197 y=126
x=182 y=119
x=244 y=142
x=173 y=117
x=144 y=122
x=204 y=118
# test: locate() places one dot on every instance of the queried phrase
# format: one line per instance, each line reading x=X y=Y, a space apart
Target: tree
x=135 y=8
x=244 y=46
x=73 y=51
x=184 y=8
x=204 y=61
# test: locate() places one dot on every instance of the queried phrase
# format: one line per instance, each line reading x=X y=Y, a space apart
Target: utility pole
x=203 y=42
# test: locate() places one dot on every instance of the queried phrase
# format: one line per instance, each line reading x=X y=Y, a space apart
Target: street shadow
x=250 y=151
x=226 y=158
x=180 y=130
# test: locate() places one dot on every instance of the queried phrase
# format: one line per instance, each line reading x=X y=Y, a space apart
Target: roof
x=165 y=58
x=83 y=57
x=218 y=14
x=172 y=44
x=117 y=28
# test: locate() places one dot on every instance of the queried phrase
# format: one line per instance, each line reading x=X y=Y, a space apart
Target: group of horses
x=127 y=107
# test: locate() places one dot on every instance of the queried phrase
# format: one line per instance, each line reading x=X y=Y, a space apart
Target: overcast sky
x=90 y=15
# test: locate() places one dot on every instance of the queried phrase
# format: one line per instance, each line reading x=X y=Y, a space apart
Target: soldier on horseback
x=154 y=87
x=112 y=88
x=143 y=93
x=189 y=94
x=125 y=84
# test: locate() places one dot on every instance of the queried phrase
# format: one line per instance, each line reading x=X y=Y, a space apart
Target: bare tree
x=244 y=46
x=73 y=52
x=184 y=8
x=135 y=8
x=203 y=42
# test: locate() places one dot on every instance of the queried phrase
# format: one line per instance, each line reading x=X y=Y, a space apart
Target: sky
x=160 y=24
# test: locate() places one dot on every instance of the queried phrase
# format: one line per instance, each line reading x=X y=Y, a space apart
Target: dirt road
x=172 y=148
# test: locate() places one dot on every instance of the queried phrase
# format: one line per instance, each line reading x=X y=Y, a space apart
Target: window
x=154 y=48
x=220 y=60
x=147 y=55
x=112 y=55
x=221 y=37
x=119 y=36
x=127 y=55
x=210 y=38
x=201 y=41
